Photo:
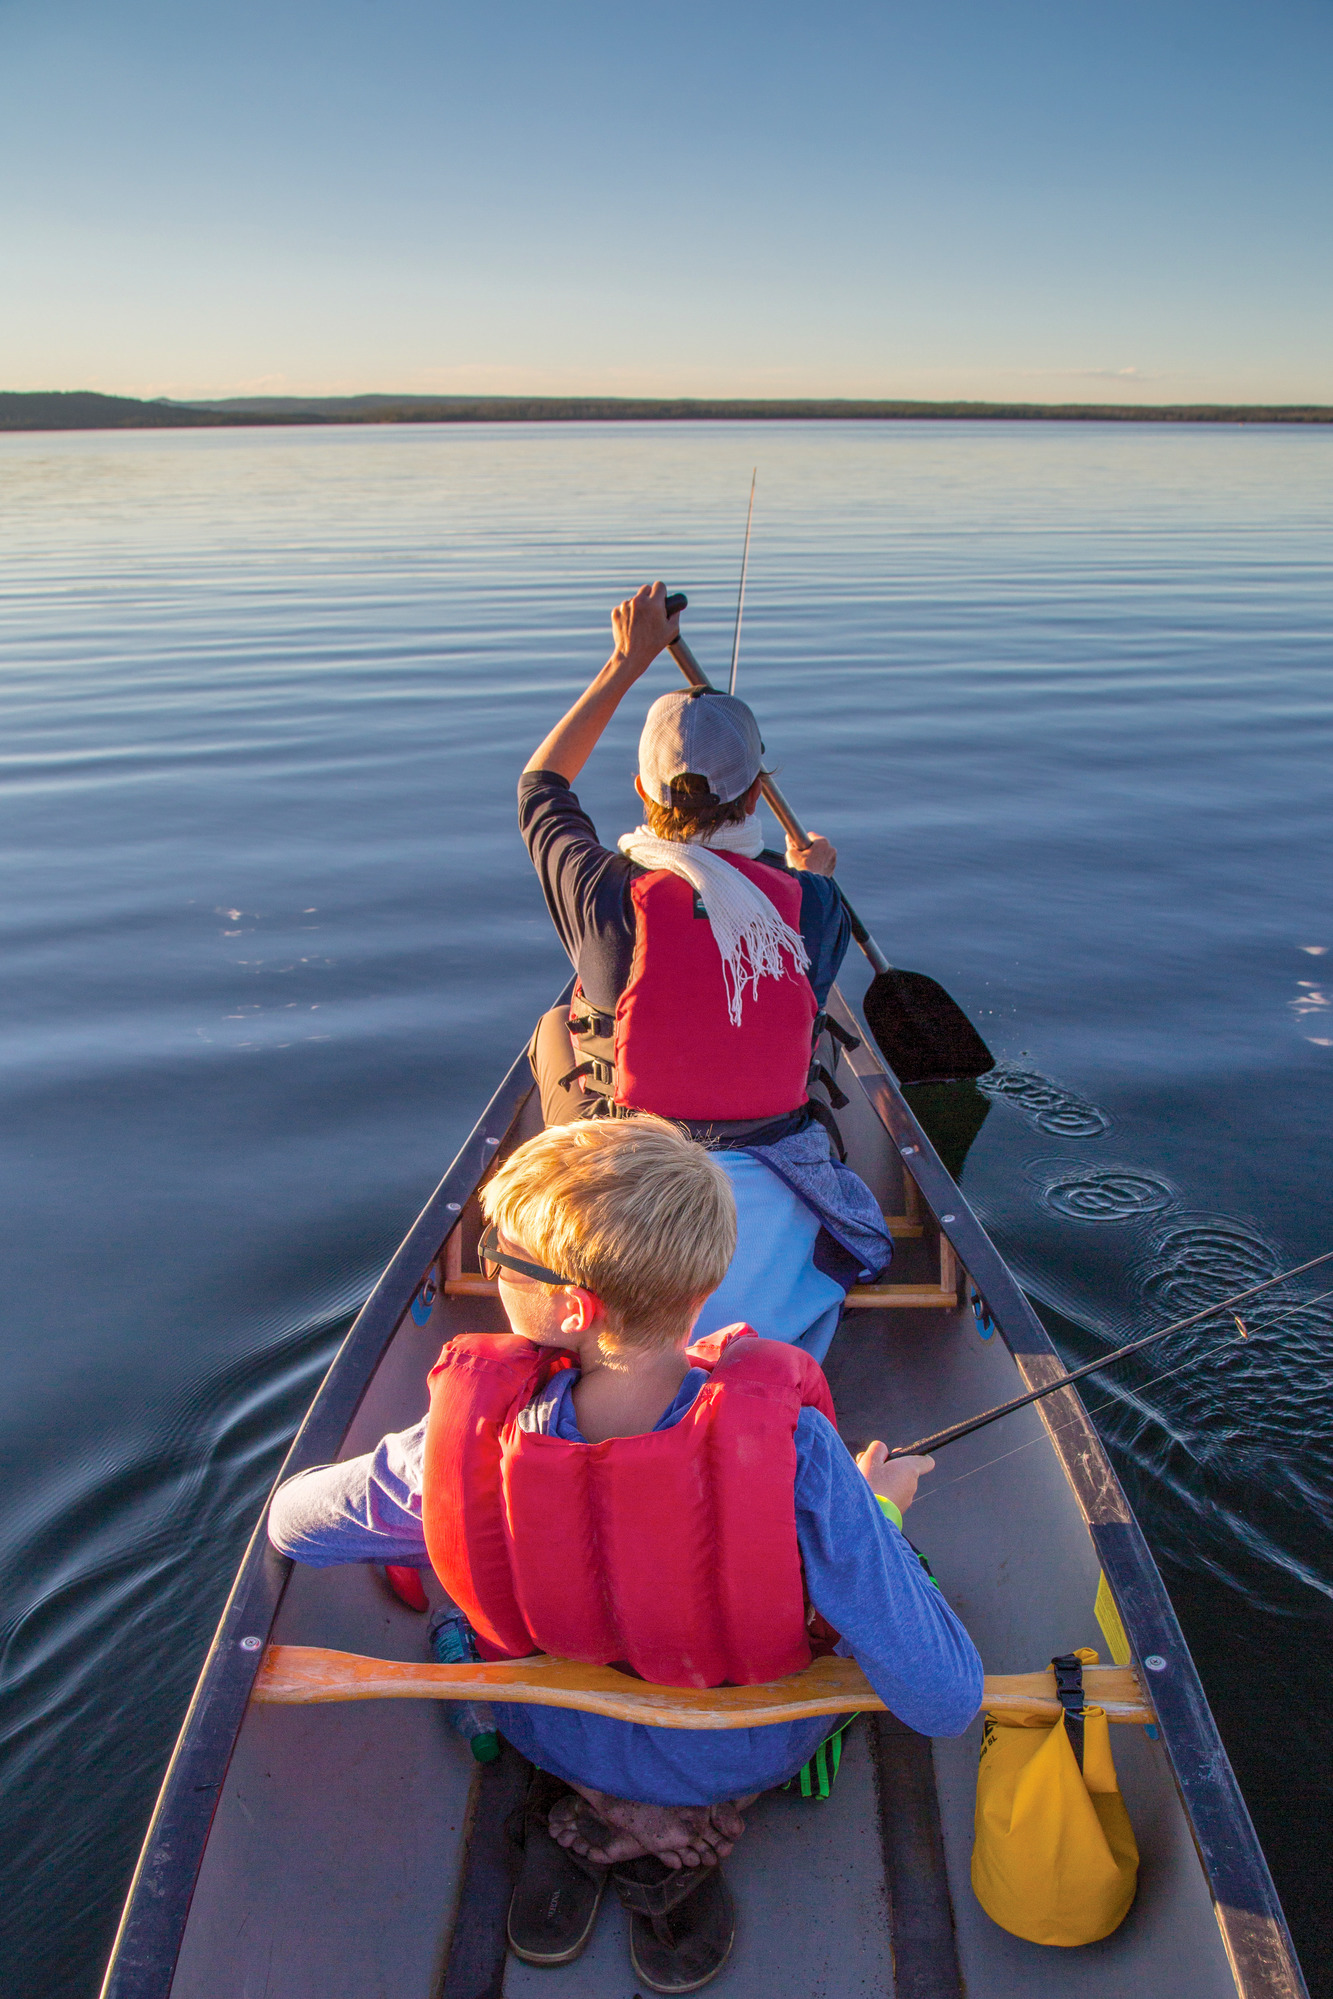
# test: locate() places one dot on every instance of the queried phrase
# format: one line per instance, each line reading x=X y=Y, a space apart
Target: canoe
x=315 y=1846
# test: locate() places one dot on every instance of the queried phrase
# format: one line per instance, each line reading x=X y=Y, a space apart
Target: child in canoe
x=592 y=1487
x=704 y=962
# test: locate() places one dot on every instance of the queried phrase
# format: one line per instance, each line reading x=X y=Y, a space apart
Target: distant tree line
x=81 y=409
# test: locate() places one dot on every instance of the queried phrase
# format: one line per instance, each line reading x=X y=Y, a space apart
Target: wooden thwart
x=302 y=1674
x=868 y=1297
x=900 y=1297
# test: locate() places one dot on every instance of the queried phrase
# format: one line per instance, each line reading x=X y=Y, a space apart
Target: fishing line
x=1115 y=1401
x=1070 y=1423
x=924 y=1445
x=740 y=599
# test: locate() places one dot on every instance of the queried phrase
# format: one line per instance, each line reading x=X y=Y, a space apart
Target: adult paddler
x=704 y=961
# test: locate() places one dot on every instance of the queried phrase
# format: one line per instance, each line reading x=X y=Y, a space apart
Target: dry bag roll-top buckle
x=1068 y=1669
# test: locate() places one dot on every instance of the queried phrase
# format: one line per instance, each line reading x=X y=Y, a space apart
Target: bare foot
x=619 y=1829
x=573 y=1823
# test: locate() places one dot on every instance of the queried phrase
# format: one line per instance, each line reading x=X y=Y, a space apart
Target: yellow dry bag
x=1054 y=1859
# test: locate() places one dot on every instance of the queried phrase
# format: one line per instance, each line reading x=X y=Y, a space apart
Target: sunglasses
x=491 y=1258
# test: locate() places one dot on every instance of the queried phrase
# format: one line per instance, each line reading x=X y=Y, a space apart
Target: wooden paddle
x=922 y=1033
x=299 y=1675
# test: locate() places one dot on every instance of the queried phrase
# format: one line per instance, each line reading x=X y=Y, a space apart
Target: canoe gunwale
x=1249 y=1914
x=157 y=1906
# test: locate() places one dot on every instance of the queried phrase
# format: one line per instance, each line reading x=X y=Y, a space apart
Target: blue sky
x=953 y=198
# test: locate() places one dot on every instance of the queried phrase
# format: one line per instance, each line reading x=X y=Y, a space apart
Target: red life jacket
x=675 y=1049
x=674 y=1552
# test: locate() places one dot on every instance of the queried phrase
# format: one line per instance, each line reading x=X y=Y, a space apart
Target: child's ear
x=581 y=1310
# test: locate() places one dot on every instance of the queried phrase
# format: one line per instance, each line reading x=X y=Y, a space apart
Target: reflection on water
x=1061 y=696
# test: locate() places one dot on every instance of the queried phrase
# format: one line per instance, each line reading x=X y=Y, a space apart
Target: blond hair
x=631 y=1209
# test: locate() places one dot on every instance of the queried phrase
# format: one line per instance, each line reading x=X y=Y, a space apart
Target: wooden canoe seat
x=302 y=1674
x=943 y=1295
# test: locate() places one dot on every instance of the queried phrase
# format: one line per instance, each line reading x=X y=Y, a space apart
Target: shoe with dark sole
x=682 y=1923
x=555 y=1901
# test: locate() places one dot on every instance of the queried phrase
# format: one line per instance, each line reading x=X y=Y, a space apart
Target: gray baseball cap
x=699 y=729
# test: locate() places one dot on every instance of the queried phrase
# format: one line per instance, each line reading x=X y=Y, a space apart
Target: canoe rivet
x=251 y=1644
x=453 y=1207
x=948 y=1218
x=492 y=1141
x=907 y=1150
x=1155 y=1663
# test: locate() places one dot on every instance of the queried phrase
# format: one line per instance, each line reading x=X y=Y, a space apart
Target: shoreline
x=86 y=410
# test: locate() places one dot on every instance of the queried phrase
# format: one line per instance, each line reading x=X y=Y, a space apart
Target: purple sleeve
x=865 y=1577
x=366 y=1510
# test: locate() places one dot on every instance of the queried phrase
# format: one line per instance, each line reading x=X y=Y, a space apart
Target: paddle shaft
x=925 y=1445
x=781 y=811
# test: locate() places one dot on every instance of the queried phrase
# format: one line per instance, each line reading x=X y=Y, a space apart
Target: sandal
x=558 y=1893
x=682 y=1922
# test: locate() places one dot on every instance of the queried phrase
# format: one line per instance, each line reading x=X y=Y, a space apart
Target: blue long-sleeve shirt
x=861 y=1573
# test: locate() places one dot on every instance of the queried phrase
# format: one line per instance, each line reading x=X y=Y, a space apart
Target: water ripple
x=1046 y=1105
x=1104 y=1194
x=1199 y=1260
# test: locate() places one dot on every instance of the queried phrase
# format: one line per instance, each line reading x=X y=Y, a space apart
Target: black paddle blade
x=923 y=1035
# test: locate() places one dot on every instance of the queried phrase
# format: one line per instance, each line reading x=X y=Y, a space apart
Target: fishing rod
x=740 y=598
x=925 y=1445
x=1112 y=1402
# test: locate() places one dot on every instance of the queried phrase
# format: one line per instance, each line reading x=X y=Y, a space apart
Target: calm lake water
x=1060 y=693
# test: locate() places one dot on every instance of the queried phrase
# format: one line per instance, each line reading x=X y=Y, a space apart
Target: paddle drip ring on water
x=1194 y=1263
x=1044 y=1103
x=1105 y=1194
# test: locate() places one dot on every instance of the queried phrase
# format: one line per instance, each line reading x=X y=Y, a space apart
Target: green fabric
x=815 y=1779
x=889 y=1510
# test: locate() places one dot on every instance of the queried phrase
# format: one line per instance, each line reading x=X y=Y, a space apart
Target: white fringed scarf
x=754 y=941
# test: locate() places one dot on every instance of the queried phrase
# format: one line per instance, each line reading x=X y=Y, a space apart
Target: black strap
x=825 y=1024
x=584 y=1069
x=738 y=1134
x=597 y=1026
x=819 y=1074
x=830 y=1124
x=1069 y=1692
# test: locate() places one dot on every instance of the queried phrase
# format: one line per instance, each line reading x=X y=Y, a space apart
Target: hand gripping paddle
x=922 y=1033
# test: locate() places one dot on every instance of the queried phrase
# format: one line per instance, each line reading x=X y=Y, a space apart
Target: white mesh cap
x=698 y=729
